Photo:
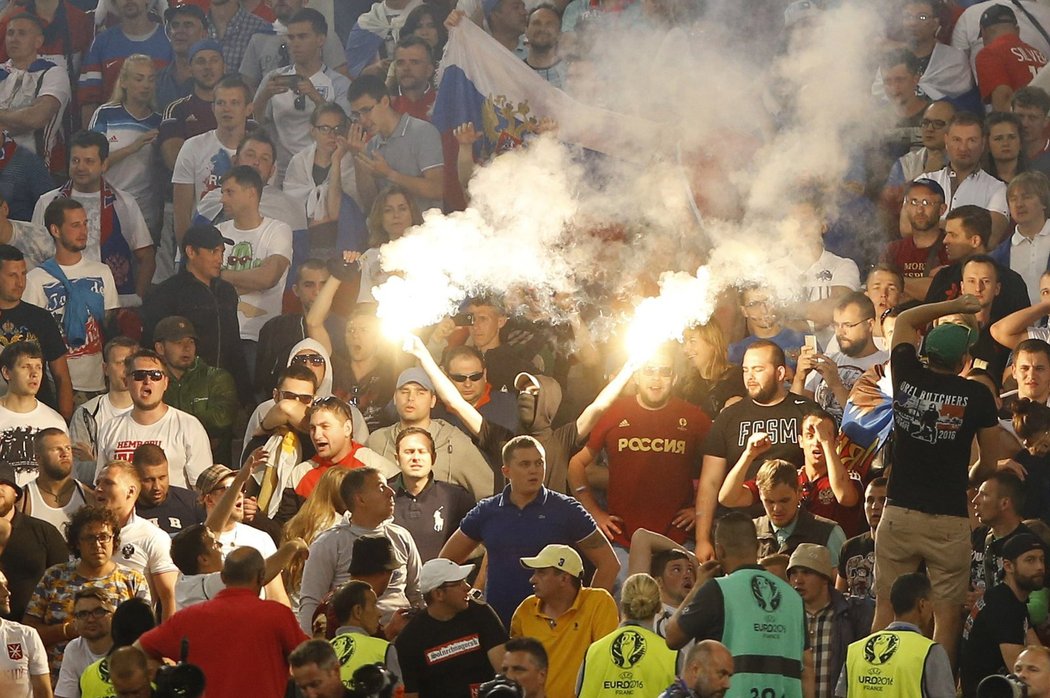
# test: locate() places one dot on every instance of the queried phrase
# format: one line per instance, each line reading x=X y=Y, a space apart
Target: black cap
x=205 y=236
x=1018 y=545
x=371 y=555
x=186 y=9
x=931 y=184
x=998 y=14
x=7 y=477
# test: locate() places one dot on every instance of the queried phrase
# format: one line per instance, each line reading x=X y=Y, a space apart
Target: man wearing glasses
x=288 y=96
x=768 y=409
x=392 y=148
x=828 y=378
x=650 y=437
x=180 y=435
x=465 y=366
x=92 y=615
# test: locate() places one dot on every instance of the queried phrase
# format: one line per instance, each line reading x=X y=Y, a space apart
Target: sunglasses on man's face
x=304 y=398
x=142 y=374
x=314 y=359
x=464 y=377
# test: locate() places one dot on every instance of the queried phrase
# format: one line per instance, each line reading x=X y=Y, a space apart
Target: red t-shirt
x=819 y=499
x=309 y=481
x=654 y=455
x=915 y=262
x=239 y=641
x=1007 y=61
x=419 y=109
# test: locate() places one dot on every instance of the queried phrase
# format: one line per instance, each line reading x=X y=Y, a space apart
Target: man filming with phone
x=288 y=96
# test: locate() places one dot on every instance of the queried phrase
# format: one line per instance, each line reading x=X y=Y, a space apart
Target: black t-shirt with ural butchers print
x=736 y=423
x=935 y=419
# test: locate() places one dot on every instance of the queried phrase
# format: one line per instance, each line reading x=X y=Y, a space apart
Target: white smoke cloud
x=738 y=133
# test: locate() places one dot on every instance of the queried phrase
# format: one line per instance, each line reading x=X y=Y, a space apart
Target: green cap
x=949 y=342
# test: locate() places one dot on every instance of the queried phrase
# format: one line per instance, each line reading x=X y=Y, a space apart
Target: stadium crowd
x=211 y=455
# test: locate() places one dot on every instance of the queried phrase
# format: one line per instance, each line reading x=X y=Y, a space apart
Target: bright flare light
x=684 y=301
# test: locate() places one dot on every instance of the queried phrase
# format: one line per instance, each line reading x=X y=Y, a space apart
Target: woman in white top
x=393 y=212
x=324 y=168
x=131 y=125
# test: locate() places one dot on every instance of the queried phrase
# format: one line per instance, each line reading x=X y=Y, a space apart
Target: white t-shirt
x=179 y=433
x=33 y=241
x=75 y=659
x=250 y=249
x=45 y=512
x=44 y=290
x=16 y=437
x=202 y=162
x=829 y=270
x=291 y=125
x=979 y=189
x=24 y=657
x=144 y=547
x=195 y=588
x=19 y=89
x=133 y=226
x=243 y=535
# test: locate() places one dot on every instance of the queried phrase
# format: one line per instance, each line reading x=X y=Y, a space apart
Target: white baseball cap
x=441 y=571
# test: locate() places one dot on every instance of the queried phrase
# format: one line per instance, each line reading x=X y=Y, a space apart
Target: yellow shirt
x=592 y=616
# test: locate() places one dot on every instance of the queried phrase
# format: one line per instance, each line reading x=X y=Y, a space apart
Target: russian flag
x=481 y=82
x=867 y=420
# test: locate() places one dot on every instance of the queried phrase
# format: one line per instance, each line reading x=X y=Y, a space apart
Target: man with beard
x=414 y=72
x=54 y=495
x=828 y=378
x=827 y=488
x=539 y=398
x=651 y=435
x=543 y=31
x=192 y=114
x=90 y=284
x=998 y=627
x=170 y=508
x=32 y=547
x=206 y=392
x=150 y=420
x=769 y=409
x=918 y=254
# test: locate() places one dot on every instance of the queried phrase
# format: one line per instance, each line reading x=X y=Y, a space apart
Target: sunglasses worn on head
x=315 y=359
x=142 y=374
x=464 y=377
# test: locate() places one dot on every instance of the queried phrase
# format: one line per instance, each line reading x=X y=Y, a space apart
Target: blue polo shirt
x=510 y=533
